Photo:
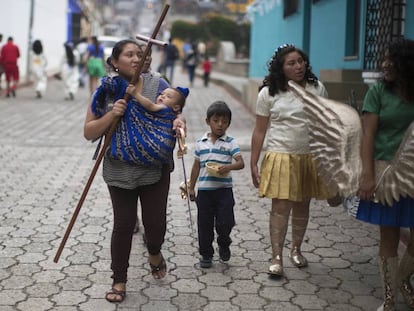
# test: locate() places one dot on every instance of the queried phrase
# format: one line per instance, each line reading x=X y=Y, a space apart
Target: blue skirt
x=400 y=214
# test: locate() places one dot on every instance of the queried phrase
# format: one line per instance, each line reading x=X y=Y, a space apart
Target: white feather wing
x=335 y=138
x=398 y=180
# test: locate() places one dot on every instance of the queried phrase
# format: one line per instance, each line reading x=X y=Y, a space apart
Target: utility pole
x=29 y=45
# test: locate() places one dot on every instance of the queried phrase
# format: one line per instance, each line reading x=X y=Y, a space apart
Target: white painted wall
x=49 y=25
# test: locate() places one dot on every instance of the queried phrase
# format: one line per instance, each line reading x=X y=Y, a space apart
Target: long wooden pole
x=108 y=137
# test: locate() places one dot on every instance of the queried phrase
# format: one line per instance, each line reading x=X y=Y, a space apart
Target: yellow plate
x=212 y=169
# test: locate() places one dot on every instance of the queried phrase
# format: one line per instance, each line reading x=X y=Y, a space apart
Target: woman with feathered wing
x=382 y=176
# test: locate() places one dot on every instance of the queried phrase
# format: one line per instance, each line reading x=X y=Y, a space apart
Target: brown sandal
x=161 y=267
x=118 y=295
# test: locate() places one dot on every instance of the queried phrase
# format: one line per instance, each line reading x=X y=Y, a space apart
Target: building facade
x=53 y=22
x=336 y=34
x=27 y=21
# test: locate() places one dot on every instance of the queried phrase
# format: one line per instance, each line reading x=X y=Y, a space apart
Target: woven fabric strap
x=141 y=137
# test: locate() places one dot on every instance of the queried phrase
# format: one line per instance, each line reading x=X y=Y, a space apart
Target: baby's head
x=174 y=98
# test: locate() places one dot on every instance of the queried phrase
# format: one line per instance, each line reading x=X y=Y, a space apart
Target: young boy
x=215 y=199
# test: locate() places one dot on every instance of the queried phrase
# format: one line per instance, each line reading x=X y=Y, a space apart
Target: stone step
x=339 y=75
x=341 y=91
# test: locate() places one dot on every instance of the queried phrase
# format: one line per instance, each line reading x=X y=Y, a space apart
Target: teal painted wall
x=270 y=30
x=327 y=34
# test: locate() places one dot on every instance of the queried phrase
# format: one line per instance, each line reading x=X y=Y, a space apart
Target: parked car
x=108 y=42
x=145 y=31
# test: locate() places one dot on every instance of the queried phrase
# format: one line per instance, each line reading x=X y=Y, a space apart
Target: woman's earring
x=116 y=69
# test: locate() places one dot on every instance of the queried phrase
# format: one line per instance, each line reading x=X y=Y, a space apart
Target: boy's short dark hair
x=219 y=108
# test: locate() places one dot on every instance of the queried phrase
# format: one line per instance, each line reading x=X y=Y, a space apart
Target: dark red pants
x=12 y=72
x=12 y=77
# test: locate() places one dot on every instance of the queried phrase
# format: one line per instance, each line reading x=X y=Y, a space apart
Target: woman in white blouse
x=288 y=173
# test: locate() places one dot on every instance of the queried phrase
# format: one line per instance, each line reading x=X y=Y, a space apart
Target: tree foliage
x=212 y=29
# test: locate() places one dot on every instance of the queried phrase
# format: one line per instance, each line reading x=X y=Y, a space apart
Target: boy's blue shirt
x=222 y=151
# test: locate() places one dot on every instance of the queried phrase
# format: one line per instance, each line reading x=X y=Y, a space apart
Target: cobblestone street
x=44 y=165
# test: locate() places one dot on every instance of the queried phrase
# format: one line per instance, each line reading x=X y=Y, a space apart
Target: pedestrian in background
x=171 y=55
x=387 y=111
x=129 y=180
x=206 y=64
x=201 y=49
x=95 y=63
x=1 y=63
x=10 y=54
x=191 y=61
x=215 y=200
x=70 y=71
x=82 y=48
x=185 y=48
x=38 y=68
x=288 y=173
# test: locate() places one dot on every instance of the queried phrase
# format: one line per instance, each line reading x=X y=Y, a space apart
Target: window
x=353 y=17
x=290 y=7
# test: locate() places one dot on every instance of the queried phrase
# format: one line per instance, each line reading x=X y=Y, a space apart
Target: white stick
x=153 y=41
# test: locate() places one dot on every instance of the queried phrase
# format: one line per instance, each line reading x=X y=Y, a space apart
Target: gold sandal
x=276 y=268
x=298 y=260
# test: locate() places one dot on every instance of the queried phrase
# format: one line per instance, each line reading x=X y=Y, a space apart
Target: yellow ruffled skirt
x=291 y=177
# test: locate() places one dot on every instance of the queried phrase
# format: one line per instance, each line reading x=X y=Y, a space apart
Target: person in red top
x=9 y=55
x=206 y=64
x=1 y=63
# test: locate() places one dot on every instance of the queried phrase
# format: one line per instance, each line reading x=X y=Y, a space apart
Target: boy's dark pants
x=215 y=209
x=206 y=78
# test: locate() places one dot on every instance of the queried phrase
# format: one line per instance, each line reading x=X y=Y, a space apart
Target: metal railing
x=385 y=21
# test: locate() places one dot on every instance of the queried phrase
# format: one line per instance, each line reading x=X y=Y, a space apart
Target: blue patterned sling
x=141 y=137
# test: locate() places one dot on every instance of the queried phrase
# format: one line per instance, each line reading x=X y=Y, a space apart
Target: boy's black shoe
x=206 y=262
x=224 y=252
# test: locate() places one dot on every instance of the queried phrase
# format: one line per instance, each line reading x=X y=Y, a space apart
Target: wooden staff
x=108 y=136
x=182 y=150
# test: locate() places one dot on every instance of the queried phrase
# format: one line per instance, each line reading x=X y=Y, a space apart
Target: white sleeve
x=322 y=90
x=263 y=102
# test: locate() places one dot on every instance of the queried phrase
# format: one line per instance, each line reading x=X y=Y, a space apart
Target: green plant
x=212 y=29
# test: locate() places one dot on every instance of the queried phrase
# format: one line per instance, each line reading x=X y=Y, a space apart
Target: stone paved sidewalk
x=44 y=165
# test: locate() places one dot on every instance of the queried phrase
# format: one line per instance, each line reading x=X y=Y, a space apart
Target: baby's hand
x=140 y=83
x=131 y=89
x=179 y=124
